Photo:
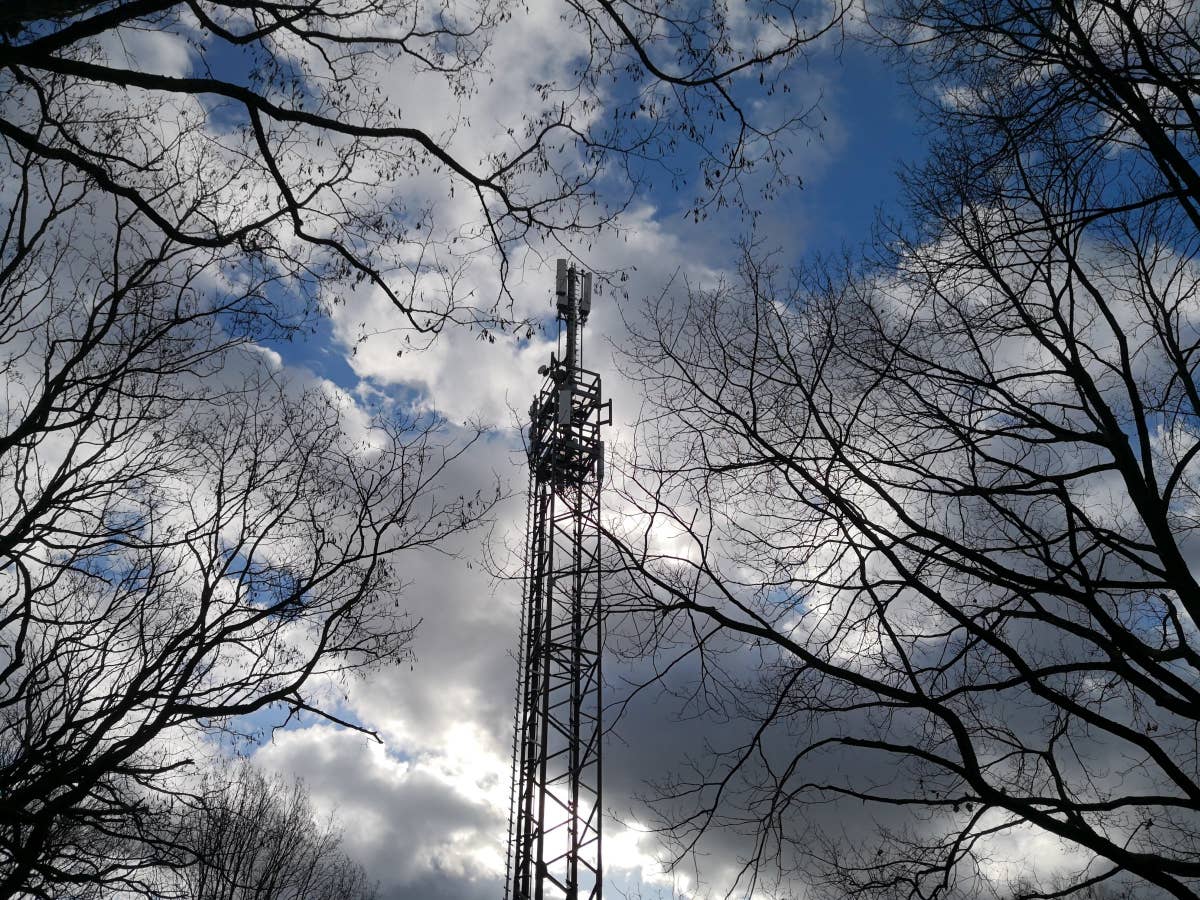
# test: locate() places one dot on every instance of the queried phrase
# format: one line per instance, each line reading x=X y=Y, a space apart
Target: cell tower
x=554 y=822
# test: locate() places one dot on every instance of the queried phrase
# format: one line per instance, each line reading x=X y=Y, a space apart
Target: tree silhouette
x=294 y=152
x=247 y=836
x=923 y=526
x=187 y=537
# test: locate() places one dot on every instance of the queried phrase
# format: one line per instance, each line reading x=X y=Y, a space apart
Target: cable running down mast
x=554 y=823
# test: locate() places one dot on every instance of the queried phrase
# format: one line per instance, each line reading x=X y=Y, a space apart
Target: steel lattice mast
x=554 y=827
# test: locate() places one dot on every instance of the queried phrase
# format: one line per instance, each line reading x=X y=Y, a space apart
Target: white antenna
x=560 y=285
x=585 y=298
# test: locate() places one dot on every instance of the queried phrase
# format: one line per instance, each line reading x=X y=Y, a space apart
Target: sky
x=424 y=807
x=425 y=811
